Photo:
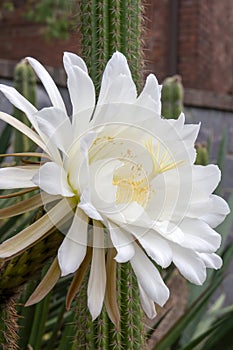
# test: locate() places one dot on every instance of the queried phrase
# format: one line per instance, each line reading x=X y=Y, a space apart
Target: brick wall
x=156 y=37
x=20 y=38
x=202 y=54
x=205 y=45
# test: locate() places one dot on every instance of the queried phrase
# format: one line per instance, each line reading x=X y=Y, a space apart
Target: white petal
x=150 y=96
x=216 y=211
x=86 y=205
x=20 y=102
x=17 y=177
x=206 y=178
x=189 y=264
x=122 y=241
x=199 y=236
x=156 y=247
x=103 y=192
x=132 y=212
x=97 y=279
x=212 y=261
x=49 y=85
x=73 y=249
x=149 y=277
x=78 y=162
x=81 y=88
x=117 y=84
x=56 y=125
x=72 y=59
x=52 y=179
x=147 y=304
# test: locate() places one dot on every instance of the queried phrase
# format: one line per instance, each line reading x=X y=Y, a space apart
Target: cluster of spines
x=8 y=325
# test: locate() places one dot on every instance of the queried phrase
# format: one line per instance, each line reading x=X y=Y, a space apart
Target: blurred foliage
x=57 y=15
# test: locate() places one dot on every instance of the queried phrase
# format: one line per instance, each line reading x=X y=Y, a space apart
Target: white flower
x=120 y=165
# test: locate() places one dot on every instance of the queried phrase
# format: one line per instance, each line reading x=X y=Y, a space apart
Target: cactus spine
x=172 y=97
x=8 y=325
x=25 y=83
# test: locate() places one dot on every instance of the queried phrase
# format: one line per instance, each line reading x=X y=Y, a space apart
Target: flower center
x=162 y=159
x=130 y=190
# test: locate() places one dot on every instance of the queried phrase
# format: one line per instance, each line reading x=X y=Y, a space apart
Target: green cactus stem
x=25 y=83
x=202 y=154
x=172 y=97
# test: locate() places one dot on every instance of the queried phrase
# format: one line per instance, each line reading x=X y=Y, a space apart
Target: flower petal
x=103 y=192
x=150 y=96
x=40 y=228
x=205 y=179
x=80 y=85
x=212 y=261
x=27 y=205
x=17 y=177
x=77 y=162
x=48 y=83
x=47 y=283
x=72 y=59
x=52 y=179
x=147 y=304
x=86 y=205
x=199 y=236
x=23 y=128
x=97 y=279
x=111 y=286
x=117 y=84
x=189 y=264
x=216 y=211
x=78 y=278
x=155 y=246
x=20 y=102
x=122 y=241
x=73 y=249
x=55 y=124
x=149 y=277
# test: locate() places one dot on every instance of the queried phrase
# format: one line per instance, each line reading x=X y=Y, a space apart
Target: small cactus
x=25 y=83
x=202 y=154
x=172 y=97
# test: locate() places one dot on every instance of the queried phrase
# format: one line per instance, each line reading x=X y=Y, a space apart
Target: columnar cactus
x=172 y=97
x=202 y=154
x=25 y=83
